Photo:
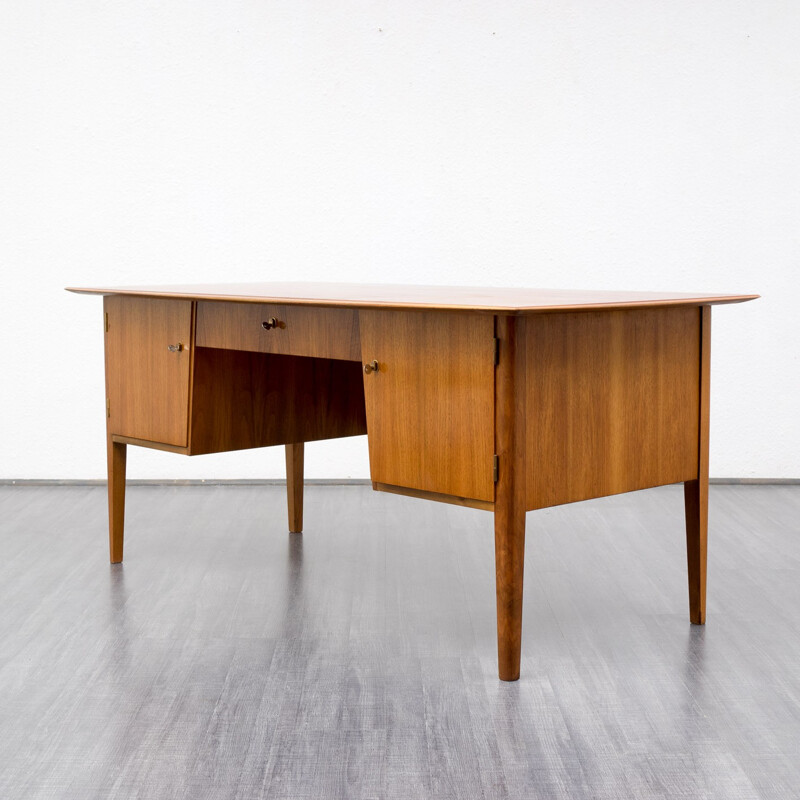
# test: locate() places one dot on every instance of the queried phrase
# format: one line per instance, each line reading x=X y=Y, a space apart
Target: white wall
x=638 y=145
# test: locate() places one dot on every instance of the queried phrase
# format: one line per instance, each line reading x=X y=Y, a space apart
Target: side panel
x=430 y=405
x=612 y=399
x=147 y=385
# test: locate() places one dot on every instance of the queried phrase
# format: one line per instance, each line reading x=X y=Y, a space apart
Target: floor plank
x=227 y=658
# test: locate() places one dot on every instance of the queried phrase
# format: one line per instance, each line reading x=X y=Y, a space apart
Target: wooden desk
x=507 y=400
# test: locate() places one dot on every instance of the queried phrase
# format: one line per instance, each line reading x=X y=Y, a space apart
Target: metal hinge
x=496 y=467
x=496 y=350
x=106 y=325
x=108 y=407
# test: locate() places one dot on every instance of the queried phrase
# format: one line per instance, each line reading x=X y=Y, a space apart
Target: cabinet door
x=430 y=404
x=147 y=383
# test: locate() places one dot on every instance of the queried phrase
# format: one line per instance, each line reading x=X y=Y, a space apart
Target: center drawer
x=280 y=329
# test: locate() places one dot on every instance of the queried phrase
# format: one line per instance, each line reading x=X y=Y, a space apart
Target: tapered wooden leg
x=117 y=456
x=294 y=486
x=509 y=556
x=509 y=507
x=695 y=493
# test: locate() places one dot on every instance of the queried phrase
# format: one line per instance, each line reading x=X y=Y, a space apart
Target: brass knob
x=270 y=323
x=175 y=348
x=371 y=367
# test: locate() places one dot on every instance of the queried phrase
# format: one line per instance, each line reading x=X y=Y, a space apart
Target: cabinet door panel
x=430 y=405
x=147 y=384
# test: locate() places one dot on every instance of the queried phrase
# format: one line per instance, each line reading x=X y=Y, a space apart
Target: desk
x=506 y=400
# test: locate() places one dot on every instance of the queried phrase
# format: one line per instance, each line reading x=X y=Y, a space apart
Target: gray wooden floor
x=229 y=659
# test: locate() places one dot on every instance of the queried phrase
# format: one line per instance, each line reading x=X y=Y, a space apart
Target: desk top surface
x=376 y=295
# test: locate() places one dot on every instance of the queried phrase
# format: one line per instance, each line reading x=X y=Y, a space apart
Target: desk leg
x=294 y=486
x=509 y=505
x=509 y=557
x=695 y=493
x=117 y=456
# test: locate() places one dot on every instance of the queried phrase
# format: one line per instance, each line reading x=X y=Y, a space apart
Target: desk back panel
x=242 y=400
x=612 y=400
x=147 y=385
x=430 y=405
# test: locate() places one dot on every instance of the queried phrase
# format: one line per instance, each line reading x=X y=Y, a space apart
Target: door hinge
x=496 y=467
x=106 y=322
x=496 y=350
x=108 y=407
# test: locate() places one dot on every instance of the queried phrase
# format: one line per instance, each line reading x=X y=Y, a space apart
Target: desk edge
x=700 y=300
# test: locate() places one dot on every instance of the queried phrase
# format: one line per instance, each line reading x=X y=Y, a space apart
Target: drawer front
x=280 y=329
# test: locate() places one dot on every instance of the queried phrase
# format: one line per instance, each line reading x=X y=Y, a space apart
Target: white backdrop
x=637 y=145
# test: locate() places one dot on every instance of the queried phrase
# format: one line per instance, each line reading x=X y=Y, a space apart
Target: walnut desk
x=506 y=400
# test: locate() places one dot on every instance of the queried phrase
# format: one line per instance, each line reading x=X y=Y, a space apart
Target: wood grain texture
x=301 y=330
x=429 y=405
x=242 y=400
x=294 y=486
x=117 y=456
x=147 y=385
x=509 y=505
x=612 y=400
x=364 y=295
x=696 y=491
